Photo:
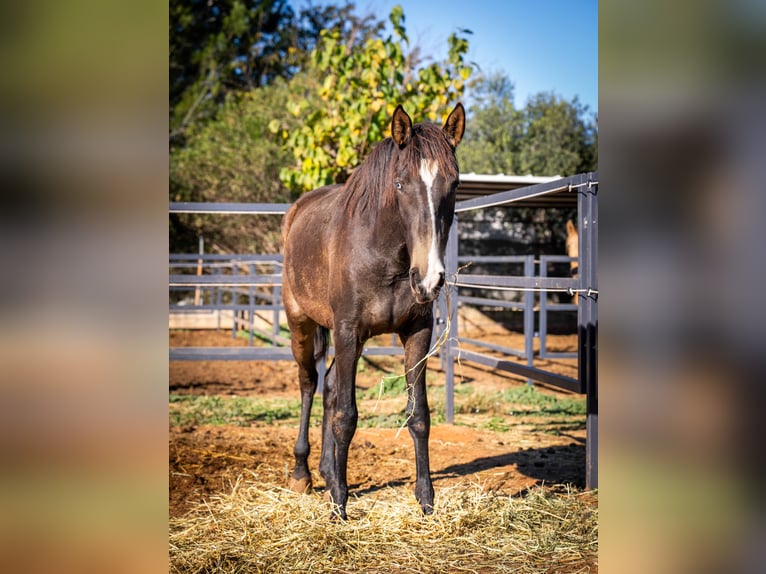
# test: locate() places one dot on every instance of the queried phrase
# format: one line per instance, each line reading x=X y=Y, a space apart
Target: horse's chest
x=392 y=307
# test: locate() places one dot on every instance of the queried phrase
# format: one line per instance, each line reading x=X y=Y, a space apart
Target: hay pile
x=268 y=529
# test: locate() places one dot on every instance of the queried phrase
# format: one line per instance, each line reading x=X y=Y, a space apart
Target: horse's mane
x=371 y=185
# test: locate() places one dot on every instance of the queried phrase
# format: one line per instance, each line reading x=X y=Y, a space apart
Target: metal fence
x=585 y=285
x=248 y=286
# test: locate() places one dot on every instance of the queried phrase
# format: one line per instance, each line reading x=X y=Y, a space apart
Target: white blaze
x=428 y=172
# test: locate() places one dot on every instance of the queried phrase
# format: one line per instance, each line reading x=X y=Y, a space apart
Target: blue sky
x=541 y=45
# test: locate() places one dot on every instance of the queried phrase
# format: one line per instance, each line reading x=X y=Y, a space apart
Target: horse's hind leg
x=416 y=344
x=302 y=341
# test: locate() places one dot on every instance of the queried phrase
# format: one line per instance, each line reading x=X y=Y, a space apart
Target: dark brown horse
x=367 y=258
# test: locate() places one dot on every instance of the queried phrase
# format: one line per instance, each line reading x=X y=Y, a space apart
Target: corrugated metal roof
x=477 y=185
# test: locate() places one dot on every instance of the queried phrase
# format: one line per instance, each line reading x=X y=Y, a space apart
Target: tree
x=229 y=65
x=358 y=88
x=493 y=134
x=558 y=140
x=216 y=47
x=233 y=158
x=226 y=46
x=549 y=136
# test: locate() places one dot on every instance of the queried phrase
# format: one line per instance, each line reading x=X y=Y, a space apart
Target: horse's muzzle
x=423 y=293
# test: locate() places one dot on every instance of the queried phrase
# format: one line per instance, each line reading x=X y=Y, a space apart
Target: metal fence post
x=529 y=316
x=542 y=321
x=219 y=296
x=451 y=320
x=251 y=310
x=587 y=314
x=276 y=298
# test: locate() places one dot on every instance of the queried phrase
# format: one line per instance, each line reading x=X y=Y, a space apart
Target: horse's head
x=425 y=180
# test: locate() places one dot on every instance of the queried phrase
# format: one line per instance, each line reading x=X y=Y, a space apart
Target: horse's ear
x=455 y=125
x=401 y=126
x=571 y=230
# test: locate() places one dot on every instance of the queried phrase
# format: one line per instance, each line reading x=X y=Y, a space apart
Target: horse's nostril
x=441 y=280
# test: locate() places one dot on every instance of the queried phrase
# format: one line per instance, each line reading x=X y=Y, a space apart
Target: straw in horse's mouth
x=421 y=296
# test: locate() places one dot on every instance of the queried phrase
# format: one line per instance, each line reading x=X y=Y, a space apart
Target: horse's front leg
x=416 y=342
x=327 y=459
x=340 y=422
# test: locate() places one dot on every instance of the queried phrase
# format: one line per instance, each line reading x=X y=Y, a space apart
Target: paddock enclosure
x=228 y=339
x=260 y=313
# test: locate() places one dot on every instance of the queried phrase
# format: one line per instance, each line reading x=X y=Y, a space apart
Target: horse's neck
x=384 y=232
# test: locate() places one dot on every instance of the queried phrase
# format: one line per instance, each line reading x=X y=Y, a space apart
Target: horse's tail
x=320 y=342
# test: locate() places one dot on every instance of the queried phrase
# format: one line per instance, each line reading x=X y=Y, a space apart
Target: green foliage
x=492 y=134
x=232 y=46
x=234 y=158
x=223 y=46
x=558 y=139
x=267 y=103
x=549 y=136
x=358 y=88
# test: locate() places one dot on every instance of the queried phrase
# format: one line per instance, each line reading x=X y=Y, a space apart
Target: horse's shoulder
x=314 y=209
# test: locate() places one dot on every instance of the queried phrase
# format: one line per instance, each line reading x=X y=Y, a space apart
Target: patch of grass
x=529 y=400
x=283 y=332
x=389 y=421
x=389 y=386
x=497 y=424
x=518 y=400
x=238 y=411
x=543 y=412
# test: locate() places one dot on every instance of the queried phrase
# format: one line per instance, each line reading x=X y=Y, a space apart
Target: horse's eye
x=398 y=185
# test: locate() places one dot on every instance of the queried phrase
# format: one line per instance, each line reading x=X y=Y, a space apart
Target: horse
x=573 y=250
x=362 y=259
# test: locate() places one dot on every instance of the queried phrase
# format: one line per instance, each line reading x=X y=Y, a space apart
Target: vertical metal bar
x=588 y=319
x=451 y=318
x=251 y=297
x=321 y=364
x=543 y=321
x=276 y=300
x=439 y=323
x=529 y=316
x=199 y=270
x=234 y=314
x=276 y=297
x=219 y=297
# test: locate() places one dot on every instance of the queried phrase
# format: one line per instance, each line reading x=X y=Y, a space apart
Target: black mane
x=371 y=185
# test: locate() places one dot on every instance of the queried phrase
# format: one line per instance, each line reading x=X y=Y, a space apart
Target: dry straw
x=259 y=528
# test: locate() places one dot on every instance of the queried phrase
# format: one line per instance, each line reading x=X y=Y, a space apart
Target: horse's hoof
x=338 y=514
x=301 y=485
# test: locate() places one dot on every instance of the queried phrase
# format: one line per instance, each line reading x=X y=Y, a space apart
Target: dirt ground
x=207 y=459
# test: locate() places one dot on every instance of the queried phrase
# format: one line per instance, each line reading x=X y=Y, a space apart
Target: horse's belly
x=305 y=269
